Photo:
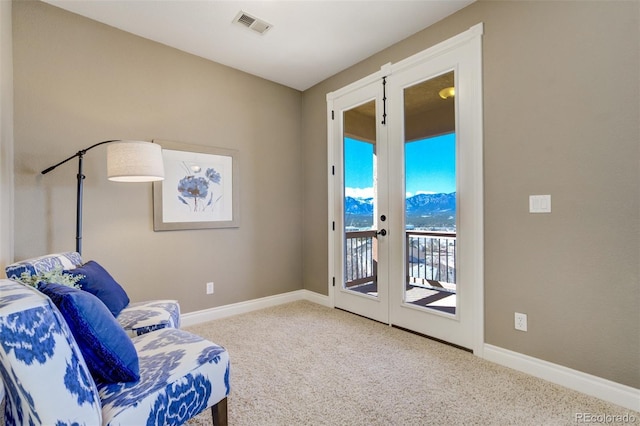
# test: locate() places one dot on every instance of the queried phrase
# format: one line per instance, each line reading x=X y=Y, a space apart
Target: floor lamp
x=127 y=161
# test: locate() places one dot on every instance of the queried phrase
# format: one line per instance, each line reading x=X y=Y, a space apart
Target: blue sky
x=430 y=166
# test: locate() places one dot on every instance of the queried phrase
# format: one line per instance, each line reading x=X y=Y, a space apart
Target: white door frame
x=473 y=129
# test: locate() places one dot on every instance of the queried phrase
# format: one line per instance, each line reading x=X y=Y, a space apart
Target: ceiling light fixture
x=447 y=92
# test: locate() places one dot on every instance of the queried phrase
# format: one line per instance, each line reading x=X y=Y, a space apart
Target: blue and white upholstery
x=142 y=317
x=49 y=262
x=137 y=318
x=47 y=381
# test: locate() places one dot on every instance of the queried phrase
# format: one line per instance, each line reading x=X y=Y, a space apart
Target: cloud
x=411 y=194
x=359 y=192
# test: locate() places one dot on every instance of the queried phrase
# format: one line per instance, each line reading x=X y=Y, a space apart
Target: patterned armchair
x=136 y=318
x=49 y=381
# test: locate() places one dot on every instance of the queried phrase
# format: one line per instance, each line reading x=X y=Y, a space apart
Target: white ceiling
x=309 y=41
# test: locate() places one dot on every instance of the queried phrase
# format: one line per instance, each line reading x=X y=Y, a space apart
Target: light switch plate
x=539 y=203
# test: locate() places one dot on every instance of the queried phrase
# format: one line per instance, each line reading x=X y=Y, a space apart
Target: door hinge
x=334 y=281
x=333 y=170
x=333 y=115
x=333 y=225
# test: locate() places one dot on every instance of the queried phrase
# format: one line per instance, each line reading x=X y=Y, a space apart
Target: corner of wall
x=6 y=135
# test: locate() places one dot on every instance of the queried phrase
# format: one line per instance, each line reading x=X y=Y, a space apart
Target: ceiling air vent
x=251 y=22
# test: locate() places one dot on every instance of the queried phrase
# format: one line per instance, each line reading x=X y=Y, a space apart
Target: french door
x=405 y=188
x=361 y=201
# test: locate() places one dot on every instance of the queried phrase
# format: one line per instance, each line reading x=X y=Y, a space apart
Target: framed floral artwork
x=199 y=190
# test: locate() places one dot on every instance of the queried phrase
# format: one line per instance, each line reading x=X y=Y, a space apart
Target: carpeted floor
x=305 y=364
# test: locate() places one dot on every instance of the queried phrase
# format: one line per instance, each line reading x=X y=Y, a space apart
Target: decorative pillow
x=107 y=350
x=98 y=282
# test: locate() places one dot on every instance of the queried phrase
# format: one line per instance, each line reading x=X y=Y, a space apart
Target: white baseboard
x=604 y=389
x=197 y=317
x=318 y=298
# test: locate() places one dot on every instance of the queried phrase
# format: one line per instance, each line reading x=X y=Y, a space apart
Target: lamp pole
x=80 y=177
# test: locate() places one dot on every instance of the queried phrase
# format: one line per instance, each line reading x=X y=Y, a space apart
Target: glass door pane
x=360 y=200
x=430 y=204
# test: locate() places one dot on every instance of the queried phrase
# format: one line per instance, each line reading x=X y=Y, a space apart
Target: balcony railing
x=431 y=259
x=361 y=260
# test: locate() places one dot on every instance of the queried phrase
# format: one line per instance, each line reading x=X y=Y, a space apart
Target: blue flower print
x=213 y=176
x=194 y=189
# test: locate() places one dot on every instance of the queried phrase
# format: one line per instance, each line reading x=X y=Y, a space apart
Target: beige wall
x=78 y=82
x=561 y=117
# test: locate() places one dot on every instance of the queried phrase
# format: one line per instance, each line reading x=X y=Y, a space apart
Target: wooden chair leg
x=219 y=413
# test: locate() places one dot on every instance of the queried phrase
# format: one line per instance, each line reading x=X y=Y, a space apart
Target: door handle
x=382 y=232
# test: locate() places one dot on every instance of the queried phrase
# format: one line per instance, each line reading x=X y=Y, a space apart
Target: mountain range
x=423 y=210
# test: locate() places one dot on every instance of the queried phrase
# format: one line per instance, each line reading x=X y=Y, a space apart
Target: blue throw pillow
x=98 y=282
x=105 y=346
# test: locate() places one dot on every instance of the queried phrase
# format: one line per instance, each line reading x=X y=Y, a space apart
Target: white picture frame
x=200 y=188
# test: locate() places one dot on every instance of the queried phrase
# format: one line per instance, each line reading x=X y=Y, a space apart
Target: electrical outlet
x=521 y=321
x=210 y=287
